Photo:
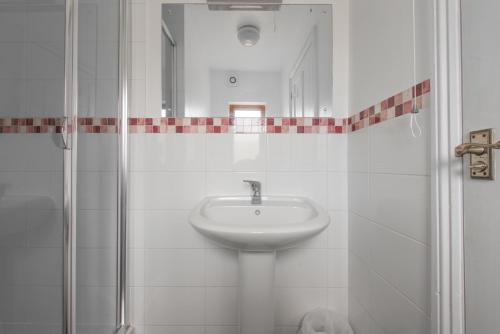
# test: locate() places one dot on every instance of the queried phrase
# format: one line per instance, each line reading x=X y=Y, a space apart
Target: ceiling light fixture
x=248 y=35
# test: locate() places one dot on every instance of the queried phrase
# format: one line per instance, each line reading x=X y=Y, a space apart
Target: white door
x=304 y=81
x=481 y=110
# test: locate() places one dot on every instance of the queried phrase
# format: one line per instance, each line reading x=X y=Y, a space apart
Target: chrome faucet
x=256 y=194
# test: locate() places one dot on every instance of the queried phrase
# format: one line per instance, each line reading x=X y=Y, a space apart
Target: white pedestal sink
x=257 y=231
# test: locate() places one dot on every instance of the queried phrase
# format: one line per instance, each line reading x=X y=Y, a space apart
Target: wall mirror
x=246 y=63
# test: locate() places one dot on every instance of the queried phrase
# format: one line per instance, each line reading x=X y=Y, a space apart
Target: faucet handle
x=253 y=184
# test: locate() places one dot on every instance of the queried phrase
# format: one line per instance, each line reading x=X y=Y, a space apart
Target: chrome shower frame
x=70 y=169
x=122 y=323
x=69 y=166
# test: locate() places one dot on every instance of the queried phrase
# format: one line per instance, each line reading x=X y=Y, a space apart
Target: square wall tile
x=337 y=268
x=337 y=191
x=231 y=183
x=166 y=190
x=174 y=267
x=337 y=152
x=236 y=152
x=394 y=138
x=309 y=152
x=359 y=151
x=338 y=300
x=222 y=306
x=279 y=152
x=222 y=330
x=301 y=268
x=174 y=306
x=308 y=184
x=337 y=232
x=168 y=229
x=175 y=330
x=168 y=152
x=222 y=267
x=294 y=152
x=293 y=303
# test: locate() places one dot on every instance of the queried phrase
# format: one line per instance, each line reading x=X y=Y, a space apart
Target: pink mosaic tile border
x=392 y=107
x=238 y=125
x=31 y=125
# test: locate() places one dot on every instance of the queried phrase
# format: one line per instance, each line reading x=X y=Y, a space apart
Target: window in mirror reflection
x=248 y=110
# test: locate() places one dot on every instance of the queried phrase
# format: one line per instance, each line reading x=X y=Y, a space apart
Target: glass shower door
x=36 y=46
x=32 y=60
x=96 y=224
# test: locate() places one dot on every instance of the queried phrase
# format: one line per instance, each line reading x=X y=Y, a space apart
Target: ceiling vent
x=266 y=5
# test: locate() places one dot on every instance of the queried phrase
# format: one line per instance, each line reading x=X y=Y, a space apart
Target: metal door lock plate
x=482 y=166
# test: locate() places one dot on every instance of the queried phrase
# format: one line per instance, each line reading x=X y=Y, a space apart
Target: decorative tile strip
x=31 y=125
x=392 y=107
x=98 y=125
x=236 y=125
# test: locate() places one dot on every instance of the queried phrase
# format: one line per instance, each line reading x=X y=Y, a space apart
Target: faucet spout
x=256 y=191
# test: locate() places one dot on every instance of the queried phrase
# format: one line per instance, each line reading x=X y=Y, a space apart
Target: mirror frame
x=340 y=54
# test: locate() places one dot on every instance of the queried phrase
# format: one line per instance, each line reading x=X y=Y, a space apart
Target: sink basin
x=279 y=222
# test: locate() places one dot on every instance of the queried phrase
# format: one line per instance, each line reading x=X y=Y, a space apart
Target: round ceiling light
x=248 y=35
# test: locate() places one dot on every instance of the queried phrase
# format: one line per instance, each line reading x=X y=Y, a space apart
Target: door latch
x=481 y=149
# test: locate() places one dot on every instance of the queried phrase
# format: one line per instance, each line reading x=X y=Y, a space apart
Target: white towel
x=324 y=321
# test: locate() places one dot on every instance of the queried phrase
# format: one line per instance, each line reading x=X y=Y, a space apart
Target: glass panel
x=31 y=165
x=97 y=165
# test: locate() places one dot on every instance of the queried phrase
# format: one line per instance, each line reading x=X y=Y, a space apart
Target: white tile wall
x=389 y=183
x=171 y=261
x=184 y=283
x=389 y=241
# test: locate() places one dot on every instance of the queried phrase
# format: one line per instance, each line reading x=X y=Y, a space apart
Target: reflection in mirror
x=218 y=63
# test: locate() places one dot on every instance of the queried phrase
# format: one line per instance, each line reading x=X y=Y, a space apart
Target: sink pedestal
x=278 y=222
x=257 y=292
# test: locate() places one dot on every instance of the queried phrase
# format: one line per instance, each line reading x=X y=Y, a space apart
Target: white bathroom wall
x=181 y=279
x=256 y=87
x=182 y=282
x=389 y=182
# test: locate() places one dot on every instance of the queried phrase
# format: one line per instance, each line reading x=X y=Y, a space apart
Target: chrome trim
x=69 y=170
x=122 y=300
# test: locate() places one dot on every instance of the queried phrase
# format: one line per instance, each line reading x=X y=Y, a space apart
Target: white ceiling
x=211 y=36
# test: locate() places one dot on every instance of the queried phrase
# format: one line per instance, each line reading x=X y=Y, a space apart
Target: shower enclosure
x=63 y=126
